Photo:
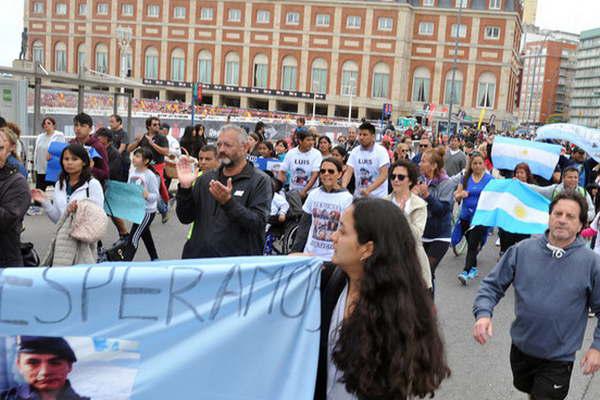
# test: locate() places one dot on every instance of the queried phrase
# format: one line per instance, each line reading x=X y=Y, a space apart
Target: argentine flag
x=512 y=206
x=541 y=157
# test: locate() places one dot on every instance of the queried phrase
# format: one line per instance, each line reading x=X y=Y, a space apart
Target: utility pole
x=454 y=64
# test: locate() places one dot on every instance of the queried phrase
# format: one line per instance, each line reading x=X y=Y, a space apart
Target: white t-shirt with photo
x=366 y=165
x=300 y=166
x=326 y=210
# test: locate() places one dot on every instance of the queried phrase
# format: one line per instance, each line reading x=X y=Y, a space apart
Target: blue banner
x=125 y=201
x=219 y=329
x=55 y=150
x=586 y=138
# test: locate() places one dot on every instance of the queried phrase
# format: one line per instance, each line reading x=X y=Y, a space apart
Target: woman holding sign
x=379 y=335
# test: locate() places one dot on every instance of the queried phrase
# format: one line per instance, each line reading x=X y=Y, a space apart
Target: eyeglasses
x=423 y=145
x=400 y=177
x=327 y=171
x=155 y=125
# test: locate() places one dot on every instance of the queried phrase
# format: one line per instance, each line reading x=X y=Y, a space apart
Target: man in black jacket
x=228 y=206
x=14 y=202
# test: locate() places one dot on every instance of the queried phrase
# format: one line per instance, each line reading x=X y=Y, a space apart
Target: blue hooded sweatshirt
x=553 y=291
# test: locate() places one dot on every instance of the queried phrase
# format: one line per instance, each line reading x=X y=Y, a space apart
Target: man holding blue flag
x=556 y=280
x=83 y=135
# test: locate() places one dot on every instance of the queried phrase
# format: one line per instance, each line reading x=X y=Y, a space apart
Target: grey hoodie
x=552 y=295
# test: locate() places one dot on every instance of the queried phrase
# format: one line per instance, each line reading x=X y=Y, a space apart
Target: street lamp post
x=454 y=63
x=351 y=83
x=315 y=85
x=124 y=35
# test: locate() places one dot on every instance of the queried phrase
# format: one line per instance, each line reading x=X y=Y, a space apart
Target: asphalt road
x=478 y=372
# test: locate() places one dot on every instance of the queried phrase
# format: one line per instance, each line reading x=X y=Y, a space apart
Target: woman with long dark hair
x=507 y=239
x=193 y=139
x=379 y=335
x=474 y=181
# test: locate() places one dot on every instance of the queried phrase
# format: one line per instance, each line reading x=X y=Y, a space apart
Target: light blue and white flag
x=586 y=138
x=541 y=157
x=512 y=206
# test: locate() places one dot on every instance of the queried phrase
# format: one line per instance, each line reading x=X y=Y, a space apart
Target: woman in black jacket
x=193 y=139
x=379 y=335
x=14 y=202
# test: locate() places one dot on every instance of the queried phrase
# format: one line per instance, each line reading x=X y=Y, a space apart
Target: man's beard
x=226 y=161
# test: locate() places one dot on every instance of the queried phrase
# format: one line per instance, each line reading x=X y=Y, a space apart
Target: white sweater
x=56 y=208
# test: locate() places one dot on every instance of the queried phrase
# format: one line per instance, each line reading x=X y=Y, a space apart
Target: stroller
x=280 y=236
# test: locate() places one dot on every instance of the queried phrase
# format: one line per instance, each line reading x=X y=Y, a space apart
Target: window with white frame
x=60 y=57
x=492 y=32
x=102 y=9
x=381 y=81
x=263 y=16
x=205 y=67
x=322 y=20
x=385 y=23
x=349 y=78
x=260 y=71
x=319 y=76
x=178 y=65
x=154 y=10
x=462 y=3
x=81 y=58
x=426 y=28
x=232 y=69
x=83 y=9
x=453 y=94
x=102 y=58
x=428 y=3
x=353 y=21
x=61 y=9
x=151 y=63
x=127 y=10
x=421 y=85
x=458 y=31
x=128 y=62
x=38 y=52
x=206 y=14
x=289 y=73
x=179 y=12
x=292 y=18
x=495 y=4
x=234 y=15
x=38 y=7
x=486 y=92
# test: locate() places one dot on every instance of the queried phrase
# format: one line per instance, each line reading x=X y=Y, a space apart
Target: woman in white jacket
x=40 y=156
x=403 y=176
x=75 y=183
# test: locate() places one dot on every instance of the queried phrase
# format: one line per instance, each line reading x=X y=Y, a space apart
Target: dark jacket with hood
x=554 y=289
x=234 y=229
x=14 y=202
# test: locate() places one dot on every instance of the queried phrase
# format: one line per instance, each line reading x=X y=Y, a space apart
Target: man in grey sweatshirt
x=454 y=160
x=556 y=280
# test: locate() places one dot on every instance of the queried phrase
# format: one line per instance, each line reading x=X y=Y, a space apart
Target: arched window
x=319 y=76
x=81 y=58
x=421 y=84
x=151 y=63
x=178 y=65
x=205 y=67
x=486 y=92
x=129 y=62
x=38 y=52
x=455 y=95
x=102 y=58
x=232 y=69
x=260 y=70
x=381 y=81
x=60 y=57
x=289 y=73
x=349 y=78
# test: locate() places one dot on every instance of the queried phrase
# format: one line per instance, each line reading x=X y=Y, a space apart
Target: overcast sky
x=576 y=16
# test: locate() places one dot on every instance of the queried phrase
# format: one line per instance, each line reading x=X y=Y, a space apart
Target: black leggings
x=475 y=237
x=435 y=252
x=143 y=231
x=507 y=239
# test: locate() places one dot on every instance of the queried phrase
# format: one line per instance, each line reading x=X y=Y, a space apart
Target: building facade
x=529 y=11
x=585 y=103
x=289 y=55
x=547 y=80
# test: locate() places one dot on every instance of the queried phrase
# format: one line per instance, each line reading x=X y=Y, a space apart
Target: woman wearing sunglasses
x=322 y=211
x=403 y=177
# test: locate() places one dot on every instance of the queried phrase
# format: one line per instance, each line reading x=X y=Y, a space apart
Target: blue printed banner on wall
x=222 y=329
